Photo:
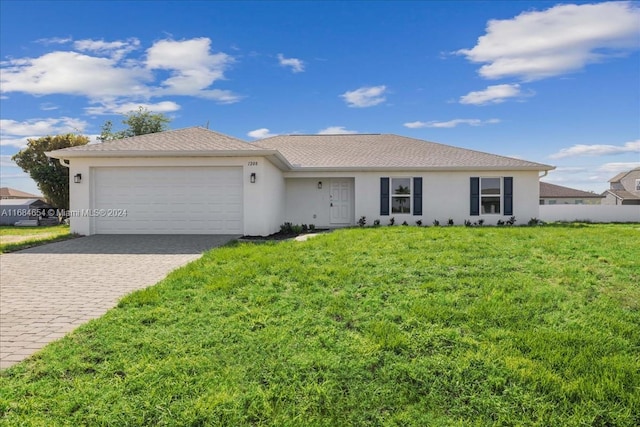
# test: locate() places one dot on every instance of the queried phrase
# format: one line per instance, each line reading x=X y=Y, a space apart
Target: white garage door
x=168 y=200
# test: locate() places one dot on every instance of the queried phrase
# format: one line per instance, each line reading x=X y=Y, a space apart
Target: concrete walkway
x=47 y=291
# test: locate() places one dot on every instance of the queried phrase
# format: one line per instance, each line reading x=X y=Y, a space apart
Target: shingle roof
x=354 y=151
x=621 y=175
x=384 y=151
x=618 y=177
x=6 y=192
x=194 y=139
x=622 y=194
x=558 y=191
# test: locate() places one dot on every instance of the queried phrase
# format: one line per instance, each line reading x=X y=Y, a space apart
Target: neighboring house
x=624 y=189
x=12 y=193
x=196 y=181
x=551 y=194
x=14 y=210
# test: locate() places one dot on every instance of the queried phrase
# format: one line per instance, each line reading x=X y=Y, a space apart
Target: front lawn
x=15 y=238
x=398 y=326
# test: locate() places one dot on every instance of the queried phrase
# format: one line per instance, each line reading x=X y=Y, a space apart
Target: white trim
x=500 y=195
x=402 y=196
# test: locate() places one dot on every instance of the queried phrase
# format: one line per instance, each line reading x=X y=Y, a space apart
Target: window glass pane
x=490 y=185
x=401 y=185
x=400 y=205
x=490 y=205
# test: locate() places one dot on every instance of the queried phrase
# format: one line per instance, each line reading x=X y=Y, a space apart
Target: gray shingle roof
x=353 y=151
x=622 y=194
x=621 y=175
x=558 y=191
x=384 y=151
x=189 y=139
x=8 y=192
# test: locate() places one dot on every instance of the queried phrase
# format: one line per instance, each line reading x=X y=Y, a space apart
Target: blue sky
x=552 y=82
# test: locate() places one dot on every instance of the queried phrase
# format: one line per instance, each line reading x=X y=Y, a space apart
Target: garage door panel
x=179 y=200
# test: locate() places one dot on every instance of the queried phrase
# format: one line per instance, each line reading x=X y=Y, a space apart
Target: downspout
x=68 y=166
x=545 y=174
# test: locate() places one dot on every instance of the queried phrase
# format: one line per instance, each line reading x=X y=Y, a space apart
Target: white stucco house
x=196 y=181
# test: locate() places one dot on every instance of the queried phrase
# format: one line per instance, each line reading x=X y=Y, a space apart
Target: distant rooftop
x=12 y=193
x=621 y=175
x=558 y=191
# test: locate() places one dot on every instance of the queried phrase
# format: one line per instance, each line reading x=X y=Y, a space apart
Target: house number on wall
x=252 y=164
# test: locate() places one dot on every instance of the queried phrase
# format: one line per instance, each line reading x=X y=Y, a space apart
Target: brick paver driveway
x=49 y=290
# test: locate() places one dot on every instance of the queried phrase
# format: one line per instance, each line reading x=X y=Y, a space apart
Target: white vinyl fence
x=590 y=213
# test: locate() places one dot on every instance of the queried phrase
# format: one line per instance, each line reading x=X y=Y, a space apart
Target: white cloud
x=116 y=49
x=115 y=108
x=42 y=126
x=191 y=66
x=46 y=106
x=365 y=96
x=450 y=124
x=416 y=125
x=54 y=40
x=14 y=133
x=617 y=167
x=597 y=150
x=261 y=133
x=492 y=94
x=6 y=162
x=336 y=130
x=73 y=73
x=297 y=65
x=559 y=40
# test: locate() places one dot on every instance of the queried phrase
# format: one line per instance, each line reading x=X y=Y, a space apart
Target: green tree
x=52 y=177
x=140 y=122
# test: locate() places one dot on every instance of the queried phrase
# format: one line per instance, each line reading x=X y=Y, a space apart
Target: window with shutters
x=490 y=195
x=401 y=196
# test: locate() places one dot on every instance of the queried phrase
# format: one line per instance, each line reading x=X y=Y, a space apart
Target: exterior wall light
x=319 y=185
x=77 y=178
x=252 y=178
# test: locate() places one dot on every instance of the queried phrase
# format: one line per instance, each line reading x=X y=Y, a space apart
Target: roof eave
x=421 y=169
x=613 y=194
x=273 y=155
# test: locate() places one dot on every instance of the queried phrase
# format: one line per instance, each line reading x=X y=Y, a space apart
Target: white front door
x=341 y=195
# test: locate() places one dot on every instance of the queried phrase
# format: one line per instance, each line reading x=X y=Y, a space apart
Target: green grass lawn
x=394 y=326
x=16 y=238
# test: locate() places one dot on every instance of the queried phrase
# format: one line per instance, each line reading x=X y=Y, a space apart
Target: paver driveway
x=47 y=291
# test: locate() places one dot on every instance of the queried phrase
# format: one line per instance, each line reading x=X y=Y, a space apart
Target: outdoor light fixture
x=252 y=177
x=319 y=185
x=77 y=178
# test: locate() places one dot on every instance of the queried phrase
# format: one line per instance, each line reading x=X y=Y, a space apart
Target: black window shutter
x=384 y=196
x=508 y=195
x=417 y=196
x=474 y=209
